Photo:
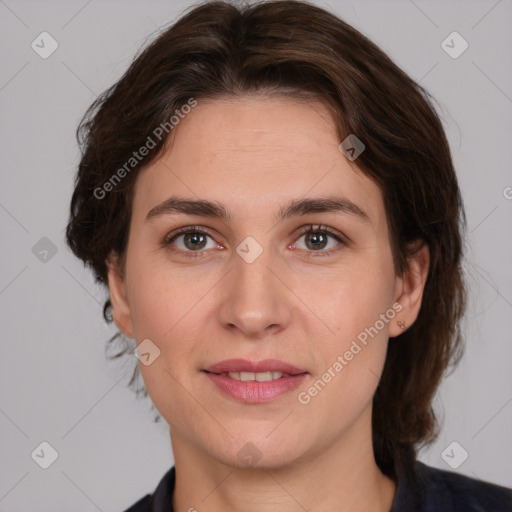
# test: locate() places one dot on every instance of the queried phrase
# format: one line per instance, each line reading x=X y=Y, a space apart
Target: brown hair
x=292 y=47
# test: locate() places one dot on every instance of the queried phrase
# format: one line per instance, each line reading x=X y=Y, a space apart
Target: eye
x=193 y=241
x=189 y=239
x=317 y=240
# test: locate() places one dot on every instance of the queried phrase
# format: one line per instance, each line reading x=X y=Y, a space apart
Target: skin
x=254 y=155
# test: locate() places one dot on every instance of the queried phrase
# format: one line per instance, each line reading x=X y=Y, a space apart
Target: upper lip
x=243 y=365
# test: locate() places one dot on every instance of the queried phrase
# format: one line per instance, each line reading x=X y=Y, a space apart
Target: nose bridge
x=255 y=299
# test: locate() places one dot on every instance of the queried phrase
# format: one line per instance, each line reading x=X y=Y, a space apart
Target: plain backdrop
x=56 y=385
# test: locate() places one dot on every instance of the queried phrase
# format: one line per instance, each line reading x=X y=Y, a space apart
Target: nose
x=255 y=303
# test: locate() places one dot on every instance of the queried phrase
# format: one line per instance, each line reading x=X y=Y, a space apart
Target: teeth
x=249 y=376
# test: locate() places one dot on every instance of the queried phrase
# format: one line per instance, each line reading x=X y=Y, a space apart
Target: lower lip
x=256 y=392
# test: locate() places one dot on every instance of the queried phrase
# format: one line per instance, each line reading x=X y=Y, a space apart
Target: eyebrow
x=295 y=208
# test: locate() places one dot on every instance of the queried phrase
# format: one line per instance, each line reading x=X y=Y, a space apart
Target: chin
x=257 y=450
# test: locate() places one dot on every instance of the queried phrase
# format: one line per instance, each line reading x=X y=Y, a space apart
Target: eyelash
x=318 y=229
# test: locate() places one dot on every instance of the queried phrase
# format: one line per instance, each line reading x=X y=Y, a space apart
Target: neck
x=343 y=477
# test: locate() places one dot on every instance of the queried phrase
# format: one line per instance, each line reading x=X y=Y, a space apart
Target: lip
x=243 y=365
x=253 y=391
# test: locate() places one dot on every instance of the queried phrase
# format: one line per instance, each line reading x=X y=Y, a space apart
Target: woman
x=273 y=206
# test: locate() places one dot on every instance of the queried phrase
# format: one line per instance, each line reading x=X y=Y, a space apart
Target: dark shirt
x=423 y=489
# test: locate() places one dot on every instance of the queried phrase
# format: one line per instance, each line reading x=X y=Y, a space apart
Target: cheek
x=352 y=359
x=152 y=309
x=161 y=298
x=350 y=299
x=169 y=307
x=359 y=311
x=165 y=310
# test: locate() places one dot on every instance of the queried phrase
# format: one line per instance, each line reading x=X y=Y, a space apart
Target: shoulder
x=143 y=505
x=160 y=499
x=439 y=490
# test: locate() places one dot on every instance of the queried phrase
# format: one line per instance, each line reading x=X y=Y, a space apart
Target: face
x=275 y=279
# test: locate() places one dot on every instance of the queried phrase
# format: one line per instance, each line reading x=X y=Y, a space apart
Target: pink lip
x=242 y=365
x=254 y=391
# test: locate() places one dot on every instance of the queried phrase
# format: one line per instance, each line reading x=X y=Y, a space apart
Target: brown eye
x=321 y=240
x=316 y=240
x=189 y=239
x=194 y=241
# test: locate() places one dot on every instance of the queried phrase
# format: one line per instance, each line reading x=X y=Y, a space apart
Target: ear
x=116 y=285
x=409 y=288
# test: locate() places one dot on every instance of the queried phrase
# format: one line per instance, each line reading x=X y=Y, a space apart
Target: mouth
x=255 y=382
x=252 y=376
x=243 y=366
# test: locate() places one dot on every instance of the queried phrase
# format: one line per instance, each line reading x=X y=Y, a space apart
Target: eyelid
x=321 y=228
x=170 y=237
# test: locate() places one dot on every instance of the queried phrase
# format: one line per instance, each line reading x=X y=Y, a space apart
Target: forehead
x=255 y=153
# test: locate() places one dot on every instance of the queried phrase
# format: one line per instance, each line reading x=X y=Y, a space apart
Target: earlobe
x=120 y=307
x=410 y=287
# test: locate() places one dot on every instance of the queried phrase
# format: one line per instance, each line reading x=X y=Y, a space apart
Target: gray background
x=56 y=384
